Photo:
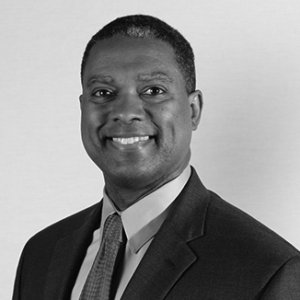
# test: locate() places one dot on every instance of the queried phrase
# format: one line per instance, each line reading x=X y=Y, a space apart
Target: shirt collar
x=142 y=220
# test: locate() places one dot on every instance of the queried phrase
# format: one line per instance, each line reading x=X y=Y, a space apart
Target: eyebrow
x=155 y=76
x=99 y=78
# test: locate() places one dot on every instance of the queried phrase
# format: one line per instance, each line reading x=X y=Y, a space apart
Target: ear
x=196 y=103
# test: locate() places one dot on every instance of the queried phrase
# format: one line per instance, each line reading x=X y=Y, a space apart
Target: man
x=180 y=241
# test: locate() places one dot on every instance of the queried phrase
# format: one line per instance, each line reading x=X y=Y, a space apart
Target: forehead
x=131 y=54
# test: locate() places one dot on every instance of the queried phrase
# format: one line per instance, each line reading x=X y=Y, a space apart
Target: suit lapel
x=169 y=254
x=162 y=265
x=67 y=258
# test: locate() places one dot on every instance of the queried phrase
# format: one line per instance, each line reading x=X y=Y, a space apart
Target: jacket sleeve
x=285 y=284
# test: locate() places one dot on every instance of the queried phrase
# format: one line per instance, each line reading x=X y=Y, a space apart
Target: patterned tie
x=99 y=280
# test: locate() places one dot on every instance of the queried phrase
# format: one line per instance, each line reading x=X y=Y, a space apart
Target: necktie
x=99 y=280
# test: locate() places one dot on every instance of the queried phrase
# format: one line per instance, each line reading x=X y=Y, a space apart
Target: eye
x=154 y=91
x=102 y=93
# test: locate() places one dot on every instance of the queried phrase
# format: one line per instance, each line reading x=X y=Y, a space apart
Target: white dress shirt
x=141 y=221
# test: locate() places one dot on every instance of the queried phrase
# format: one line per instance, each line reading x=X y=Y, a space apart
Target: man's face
x=137 y=117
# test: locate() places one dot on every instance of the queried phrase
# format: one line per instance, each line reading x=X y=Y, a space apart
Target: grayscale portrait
x=150 y=150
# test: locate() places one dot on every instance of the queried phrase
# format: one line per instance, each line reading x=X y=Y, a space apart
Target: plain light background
x=246 y=148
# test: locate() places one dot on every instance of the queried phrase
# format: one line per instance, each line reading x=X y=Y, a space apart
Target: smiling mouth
x=130 y=140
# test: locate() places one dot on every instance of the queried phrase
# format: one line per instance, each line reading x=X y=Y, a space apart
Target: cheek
x=164 y=119
x=175 y=126
x=182 y=127
x=91 y=118
x=90 y=124
x=177 y=117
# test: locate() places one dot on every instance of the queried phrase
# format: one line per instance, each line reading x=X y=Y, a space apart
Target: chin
x=132 y=177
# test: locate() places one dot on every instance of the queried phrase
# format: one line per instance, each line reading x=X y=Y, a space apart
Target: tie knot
x=113 y=228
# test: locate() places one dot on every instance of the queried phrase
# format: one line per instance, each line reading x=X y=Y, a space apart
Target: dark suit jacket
x=206 y=249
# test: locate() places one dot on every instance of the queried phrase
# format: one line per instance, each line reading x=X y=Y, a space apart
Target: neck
x=124 y=195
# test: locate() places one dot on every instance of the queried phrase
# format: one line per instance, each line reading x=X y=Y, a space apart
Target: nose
x=128 y=108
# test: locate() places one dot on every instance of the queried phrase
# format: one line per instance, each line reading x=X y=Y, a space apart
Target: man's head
x=137 y=111
x=148 y=27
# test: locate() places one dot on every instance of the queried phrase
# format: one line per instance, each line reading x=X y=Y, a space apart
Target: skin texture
x=134 y=88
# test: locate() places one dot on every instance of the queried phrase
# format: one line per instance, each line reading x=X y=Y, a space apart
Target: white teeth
x=130 y=140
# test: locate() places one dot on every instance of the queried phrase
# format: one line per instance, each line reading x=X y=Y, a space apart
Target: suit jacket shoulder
x=255 y=255
x=51 y=259
x=63 y=227
x=244 y=233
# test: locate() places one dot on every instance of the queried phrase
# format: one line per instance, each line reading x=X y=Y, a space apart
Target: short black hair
x=143 y=26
